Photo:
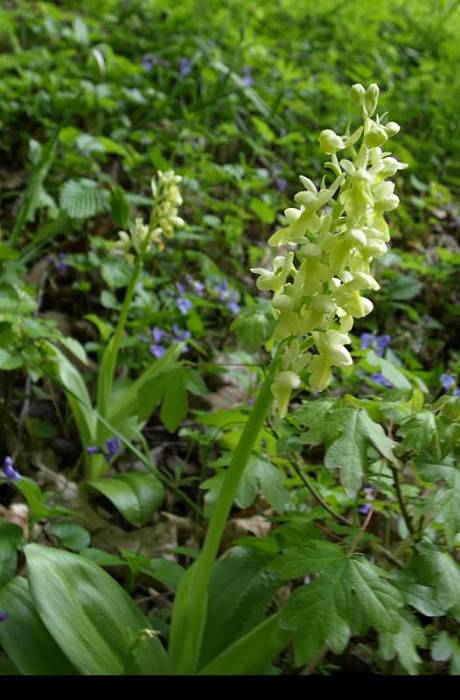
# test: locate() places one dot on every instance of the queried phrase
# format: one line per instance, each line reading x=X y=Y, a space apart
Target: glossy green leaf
x=251 y=653
x=90 y=616
x=239 y=593
x=24 y=637
x=10 y=539
x=136 y=495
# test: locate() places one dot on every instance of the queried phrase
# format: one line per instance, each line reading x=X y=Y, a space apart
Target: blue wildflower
x=112 y=445
x=457 y=393
x=366 y=340
x=281 y=184
x=180 y=288
x=9 y=470
x=447 y=381
x=365 y=508
x=4 y=616
x=180 y=334
x=93 y=450
x=157 y=350
x=185 y=67
x=381 y=343
x=184 y=305
x=380 y=379
x=233 y=307
x=198 y=287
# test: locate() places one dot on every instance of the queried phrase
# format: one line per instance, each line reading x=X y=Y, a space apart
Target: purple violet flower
x=381 y=343
x=4 y=616
x=185 y=67
x=366 y=340
x=180 y=334
x=93 y=450
x=281 y=184
x=233 y=307
x=198 y=287
x=9 y=470
x=184 y=305
x=112 y=445
x=157 y=350
x=157 y=334
x=364 y=508
x=180 y=288
x=447 y=381
x=380 y=379
x=457 y=393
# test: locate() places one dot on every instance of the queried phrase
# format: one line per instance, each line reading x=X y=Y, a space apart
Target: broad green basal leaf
x=137 y=495
x=91 y=617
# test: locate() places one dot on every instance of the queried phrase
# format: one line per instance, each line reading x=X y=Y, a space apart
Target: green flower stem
x=96 y=465
x=234 y=473
x=104 y=388
x=186 y=648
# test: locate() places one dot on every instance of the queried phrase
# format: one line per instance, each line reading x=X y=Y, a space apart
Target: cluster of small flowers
x=164 y=218
x=112 y=446
x=378 y=342
x=229 y=297
x=158 y=335
x=222 y=291
x=335 y=239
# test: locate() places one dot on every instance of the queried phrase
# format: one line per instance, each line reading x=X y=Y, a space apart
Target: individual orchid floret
x=320 y=288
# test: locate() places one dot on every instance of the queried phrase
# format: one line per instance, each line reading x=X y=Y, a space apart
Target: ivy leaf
x=378 y=599
x=171 y=389
x=319 y=611
x=376 y=435
x=315 y=557
x=439 y=571
x=446 y=506
x=347 y=453
x=420 y=597
x=404 y=643
x=351 y=593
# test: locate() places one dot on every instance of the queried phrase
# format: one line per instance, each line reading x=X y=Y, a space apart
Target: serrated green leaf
x=317 y=556
x=404 y=643
x=379 y=600
x=347 y=453
x=376 y=435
